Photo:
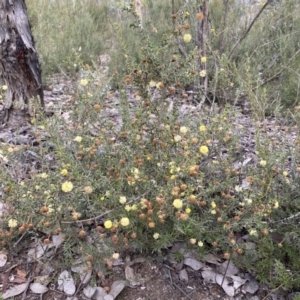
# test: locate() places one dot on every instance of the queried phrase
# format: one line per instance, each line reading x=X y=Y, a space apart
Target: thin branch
x=248 y=30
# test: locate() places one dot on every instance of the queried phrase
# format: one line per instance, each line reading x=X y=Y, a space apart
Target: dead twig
x=225 y=272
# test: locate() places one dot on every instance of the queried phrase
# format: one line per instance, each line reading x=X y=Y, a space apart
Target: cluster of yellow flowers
x=108 y=224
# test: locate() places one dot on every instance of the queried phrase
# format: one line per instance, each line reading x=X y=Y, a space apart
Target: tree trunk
x=19 y=66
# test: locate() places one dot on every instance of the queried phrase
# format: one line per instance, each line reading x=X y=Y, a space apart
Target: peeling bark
x=19 y=65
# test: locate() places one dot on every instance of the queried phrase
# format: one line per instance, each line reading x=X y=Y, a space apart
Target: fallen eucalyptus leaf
x=183 y=275
x=80 y=265
x=38 y=288
x=209 y=276
x=15 y=290
x=66 y=283
x=130 y=276
x=100 y=293
x=58 y=239
x=116 y=288
x=37 y=251
x=89 y=291
x=228 y=267
x=210 y=258
x=193 y=263
x=3 y=260
x=85 y=277
x=225 y=284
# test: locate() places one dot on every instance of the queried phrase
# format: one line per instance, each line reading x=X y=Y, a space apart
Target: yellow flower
x=200 y=244
x=203 y=59
x=202 y=128
x=188 y=210
x=177 y=203
x=177 y=138
x=84 y=82
x=78 y=139
x=203 y=73
x=212 y=30
x=253 y=232
x=263 y=163
x=67 y=186
x=128 y=207
x=213 y=204
x=44 y=175
x=50 y=209
x=156 y=236
x=12 y=223
x=124 y=222
x=4 y=87
x=107 y=193
x=115 y=255
x=187 y=38
x=122 y=199
x=172 y=163
x=135 y=171
x=276 y=204
x=108 y=224
x=248 y=201
x=134 y=207
x=64 y=172
x=285 y=173
x=213 y=212
x=152 y=83
x=193 y=241
x=203 y=150
x=183 y=130
x=102 y=198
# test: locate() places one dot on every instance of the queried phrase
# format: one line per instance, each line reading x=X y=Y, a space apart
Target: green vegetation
x=152 y=175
